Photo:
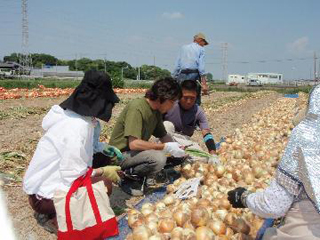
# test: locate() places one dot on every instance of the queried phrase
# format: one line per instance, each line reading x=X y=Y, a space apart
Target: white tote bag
x=84 y=212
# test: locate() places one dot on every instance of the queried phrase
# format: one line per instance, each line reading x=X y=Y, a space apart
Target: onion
x=217 y=226
x=166 y=225
x=132 y=211
x=152 y=217
x=199 y=216
x=249 y=178
x=240 y=226
x=230 y=218
x=135 y=220
x=157 y=236
x=189 y=234
x=224 y=203
x=237 y=154
x=188 y=225
x=204 y=233
x=165 y=213
x=169 y=199
x=147 y=211
x=236 y=175
x=209 y=179
x=180 y=217
x=203 y=202
x=141 y=233
x=257 y=171
x=153 y=226
x=160 y=206
x=147 y=205
x=192 y=201
x=220 y=169
x=221 y=213
x=171 y=188
x=177 y=232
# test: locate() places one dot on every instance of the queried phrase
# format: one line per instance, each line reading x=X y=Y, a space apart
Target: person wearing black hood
x=66 y=150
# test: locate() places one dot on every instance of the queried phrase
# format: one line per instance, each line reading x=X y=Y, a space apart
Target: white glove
x=174 y=149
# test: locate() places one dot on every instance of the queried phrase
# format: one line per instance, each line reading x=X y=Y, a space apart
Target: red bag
x=84 y=212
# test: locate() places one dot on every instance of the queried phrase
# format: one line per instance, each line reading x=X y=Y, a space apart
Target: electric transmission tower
x=25 y=58
x=224 y=47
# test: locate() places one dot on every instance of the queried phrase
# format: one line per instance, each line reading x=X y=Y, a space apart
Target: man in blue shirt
x=190 y=64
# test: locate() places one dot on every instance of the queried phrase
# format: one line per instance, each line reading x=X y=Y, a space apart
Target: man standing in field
x=138 y=121
x=183 y=118
x=190 y=64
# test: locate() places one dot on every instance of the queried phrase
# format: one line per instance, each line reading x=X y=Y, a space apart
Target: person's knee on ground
x=156 y=161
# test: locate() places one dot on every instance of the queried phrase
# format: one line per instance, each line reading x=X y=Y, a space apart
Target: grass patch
x=242 y=88
x=21 y=112
x=137 y=84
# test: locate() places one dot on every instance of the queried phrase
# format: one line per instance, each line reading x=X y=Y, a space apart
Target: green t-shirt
x=138 y=120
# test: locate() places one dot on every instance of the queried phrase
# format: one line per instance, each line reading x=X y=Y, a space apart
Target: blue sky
x=263 y=36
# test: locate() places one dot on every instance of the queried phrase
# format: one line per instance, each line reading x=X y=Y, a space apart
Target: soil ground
x=20 y=130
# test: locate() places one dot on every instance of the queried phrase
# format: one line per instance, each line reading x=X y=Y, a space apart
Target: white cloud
x=299 y=45
x=173 y=15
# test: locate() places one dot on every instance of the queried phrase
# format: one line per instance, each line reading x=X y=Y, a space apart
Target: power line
x=266 y=61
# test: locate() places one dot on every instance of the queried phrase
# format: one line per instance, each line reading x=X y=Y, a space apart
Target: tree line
x=115 y=69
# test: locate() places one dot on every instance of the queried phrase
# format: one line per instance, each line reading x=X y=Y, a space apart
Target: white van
x=254 y=82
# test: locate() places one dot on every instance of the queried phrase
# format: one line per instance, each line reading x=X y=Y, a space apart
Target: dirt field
x=20 y=129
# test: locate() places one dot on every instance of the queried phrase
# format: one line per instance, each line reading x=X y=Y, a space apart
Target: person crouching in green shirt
x=138 y=121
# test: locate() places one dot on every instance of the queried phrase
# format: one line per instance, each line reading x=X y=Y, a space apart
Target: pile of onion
x=249 y=158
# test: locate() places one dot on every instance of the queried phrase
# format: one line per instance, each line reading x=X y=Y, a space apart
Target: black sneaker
x=133 y=188
x=167 y=175
x=151 y=182
x=47 y=223
x=172 y=162
x=128 y=173
x=172 y=175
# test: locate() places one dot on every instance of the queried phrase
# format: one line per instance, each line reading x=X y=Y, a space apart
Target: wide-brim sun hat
x=202 y=36
x=93 y=97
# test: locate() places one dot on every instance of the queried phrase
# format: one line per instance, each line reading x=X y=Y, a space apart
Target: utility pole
x=315 y=66
x=75 y=62
x=24 y=58
x=105 y=63
x=154 y=64
x=319 y=71
x=138 y=75
x=224 y=48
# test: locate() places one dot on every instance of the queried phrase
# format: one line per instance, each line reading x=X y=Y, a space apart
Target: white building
x=235 y=78
x=266 y=78
x=56 y=71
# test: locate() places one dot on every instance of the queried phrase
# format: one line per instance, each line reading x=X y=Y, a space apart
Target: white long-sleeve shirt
x=62 y=154
x=273 y=202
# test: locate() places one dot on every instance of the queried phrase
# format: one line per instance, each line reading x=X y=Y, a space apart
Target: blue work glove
x=111 y=151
